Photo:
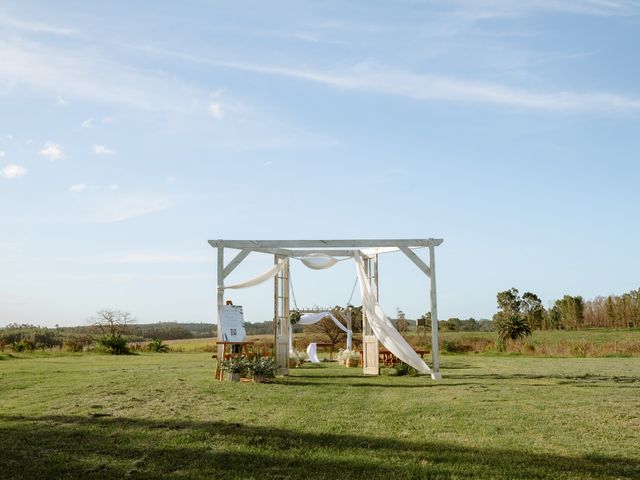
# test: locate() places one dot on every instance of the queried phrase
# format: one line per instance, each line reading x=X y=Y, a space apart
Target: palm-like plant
x=513 y=327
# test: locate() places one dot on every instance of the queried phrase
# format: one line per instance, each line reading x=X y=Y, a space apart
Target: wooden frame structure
x=369 y=250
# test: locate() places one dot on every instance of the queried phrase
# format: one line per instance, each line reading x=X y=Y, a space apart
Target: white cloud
x=102 y=150
x=216 y=111
x=124 y=207
x=114 y=187
x=52 y=151
x=2 y=154
x=78 y=187
x=12 y=171
x=88 y=123
x=80 y=74
x=35 y=27
x=387 y=81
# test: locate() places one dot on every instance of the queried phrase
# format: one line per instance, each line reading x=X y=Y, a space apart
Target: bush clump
x=156 y=346
x=115 y=344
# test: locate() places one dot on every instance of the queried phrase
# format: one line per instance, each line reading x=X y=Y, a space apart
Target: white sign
x=232 y=321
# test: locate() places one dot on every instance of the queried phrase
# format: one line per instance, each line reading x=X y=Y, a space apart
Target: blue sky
x=133 y=132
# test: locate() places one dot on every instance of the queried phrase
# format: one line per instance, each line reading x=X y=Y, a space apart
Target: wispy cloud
x=78 y=187
x=388 y=81
x=102 y=150
x=33 y=26
x=216 y=111
x=12 y=171
x=52 y=151
x=126 y=206
x=524 y=7
x=83 y=75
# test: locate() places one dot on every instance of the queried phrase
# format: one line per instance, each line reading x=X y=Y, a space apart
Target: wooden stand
x=246 y=349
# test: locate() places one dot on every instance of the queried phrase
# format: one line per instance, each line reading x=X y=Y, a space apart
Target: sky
x=132 y=132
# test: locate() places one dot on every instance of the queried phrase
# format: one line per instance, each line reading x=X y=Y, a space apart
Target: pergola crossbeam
x=244 y=253
x=361 y=243
x=417 y=260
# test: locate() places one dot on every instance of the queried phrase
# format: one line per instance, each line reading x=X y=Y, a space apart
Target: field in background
x=561 y=343
x=161 y=415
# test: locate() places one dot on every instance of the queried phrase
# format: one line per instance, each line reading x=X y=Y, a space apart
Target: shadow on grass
x=84 y=447
x=563 y=379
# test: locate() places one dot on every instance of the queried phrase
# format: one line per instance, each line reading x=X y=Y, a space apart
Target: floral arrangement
x=263 y=367
x=294 y=316
x=235 y=365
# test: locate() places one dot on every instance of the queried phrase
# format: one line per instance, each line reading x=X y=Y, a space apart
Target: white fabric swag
x=318 y=261
x=382 y=327
x=260 y=278
x=311 y=318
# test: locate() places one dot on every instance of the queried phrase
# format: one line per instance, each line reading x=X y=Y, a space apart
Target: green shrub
x=23 y=345
x=115 y=344
x=263 y=366
x=235 y=365
x=157 y=346
x=77 y=343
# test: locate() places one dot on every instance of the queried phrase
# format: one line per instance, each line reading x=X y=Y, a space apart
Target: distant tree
x=509 y=301
x=113 y=322
x=329 y=330
x=571 y=311
x=113 y=325
x=532 y=310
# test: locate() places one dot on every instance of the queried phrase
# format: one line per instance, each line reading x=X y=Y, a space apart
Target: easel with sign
x=233 y=334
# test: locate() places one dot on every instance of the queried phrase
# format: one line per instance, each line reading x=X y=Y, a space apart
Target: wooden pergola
x=369 y=250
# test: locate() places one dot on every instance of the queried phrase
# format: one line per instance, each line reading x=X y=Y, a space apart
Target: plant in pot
x=235 y=367
x=262 y=369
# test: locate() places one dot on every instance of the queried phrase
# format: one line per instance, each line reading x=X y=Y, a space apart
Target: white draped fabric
x=312 y=353
x=382 y=326
x=311 y=318
x=318 y=261
x=252 y=282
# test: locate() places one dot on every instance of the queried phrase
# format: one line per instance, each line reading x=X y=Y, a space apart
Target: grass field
x=161 y=415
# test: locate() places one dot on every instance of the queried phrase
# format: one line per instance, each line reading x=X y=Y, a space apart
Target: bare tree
x=328 y=329
x=109 y=321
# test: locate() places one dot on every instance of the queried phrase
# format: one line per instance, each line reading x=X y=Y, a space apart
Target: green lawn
x=161 y=415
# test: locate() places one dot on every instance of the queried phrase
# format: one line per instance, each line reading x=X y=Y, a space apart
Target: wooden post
x=281 y=320
x=370 y=346
x=220 y=303
x=435 y=354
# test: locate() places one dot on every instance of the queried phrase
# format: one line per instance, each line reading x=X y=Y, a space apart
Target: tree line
x=570 y=312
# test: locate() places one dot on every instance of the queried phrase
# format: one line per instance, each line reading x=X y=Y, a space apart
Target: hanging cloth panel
x=311 y=318
x=260 y=278
x=382 y=326
x=312 y=353
x=318 y=261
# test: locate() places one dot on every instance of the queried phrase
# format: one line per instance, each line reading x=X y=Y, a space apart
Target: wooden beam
x=236 y=261
x=417 y=260
x=326 y=243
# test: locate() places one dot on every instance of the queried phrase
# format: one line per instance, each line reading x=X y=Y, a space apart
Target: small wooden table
x=246 y=349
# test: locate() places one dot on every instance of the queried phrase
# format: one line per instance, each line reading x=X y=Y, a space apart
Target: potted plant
x=262 y=369
x=235 y=367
